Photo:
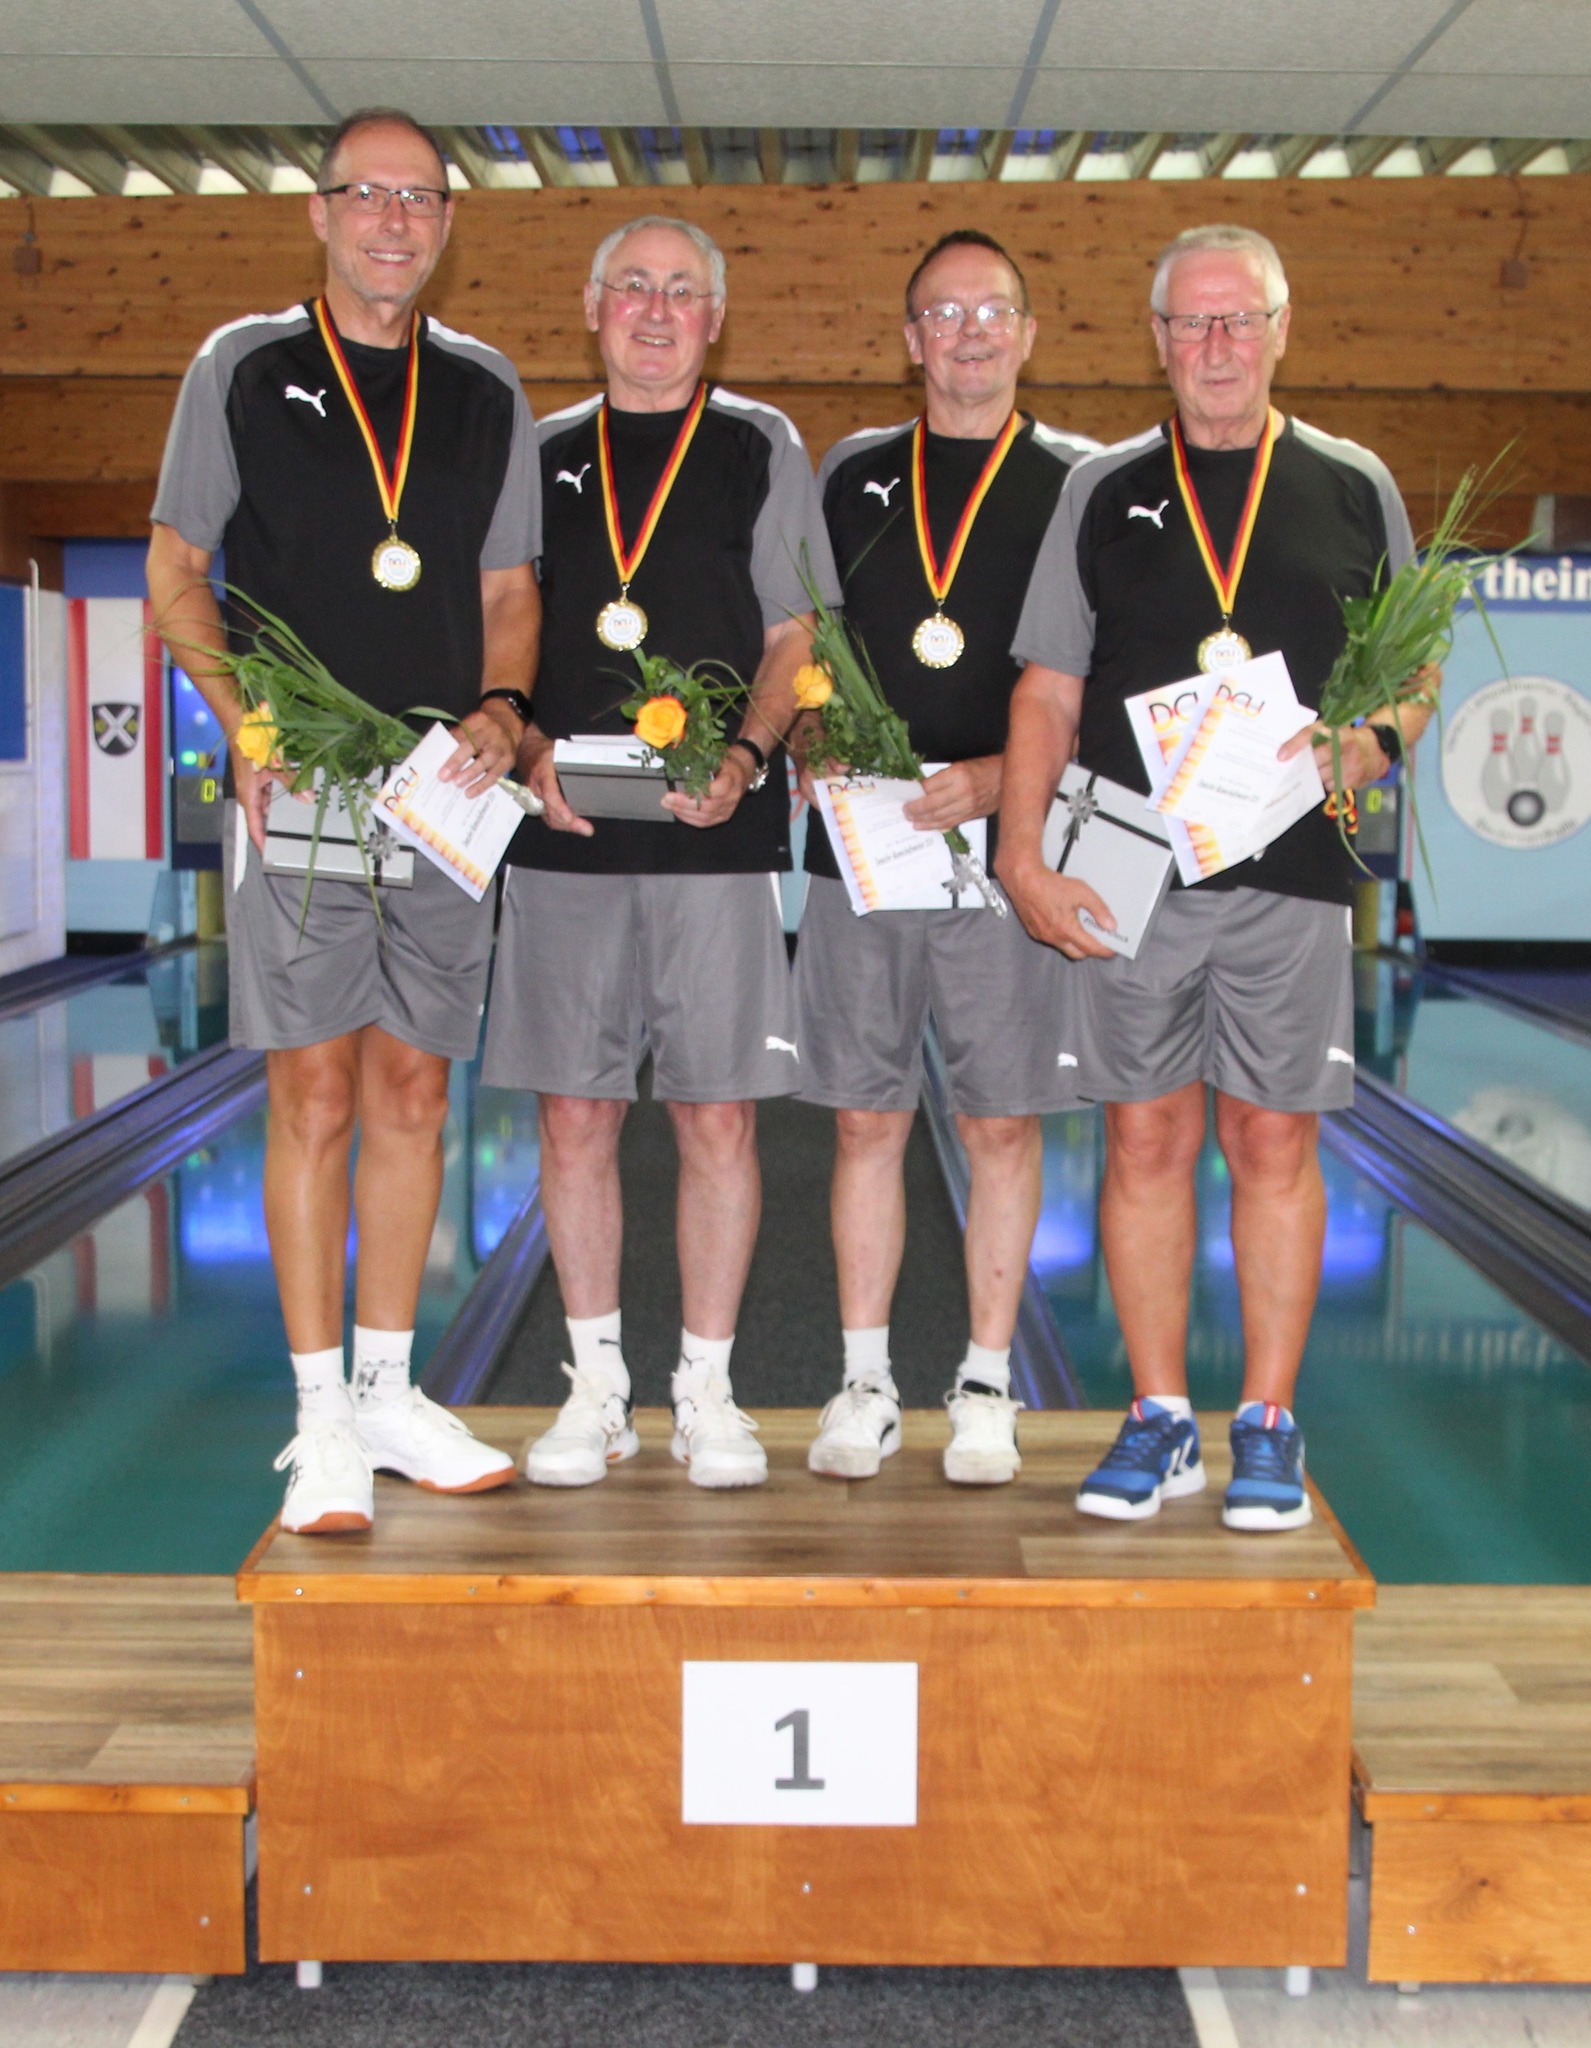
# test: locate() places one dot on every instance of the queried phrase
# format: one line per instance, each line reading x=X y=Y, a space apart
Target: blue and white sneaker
x=1267 y=1490
x=1155 y=1457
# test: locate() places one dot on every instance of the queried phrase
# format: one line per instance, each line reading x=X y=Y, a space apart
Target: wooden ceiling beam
x=467 y=153
x=1143 y=153
x=546 y=152
x=234 y=151
x=847 y=155
x=98 y=168
x=24 y=168
x=1069 y=148
x=919 y=158
x=1290 y=153
x=628 y=159
x=997 y=148
x=770 y=155
x=698 y=157
x=153 y=151
x=1365 y=152
x=1219 y=151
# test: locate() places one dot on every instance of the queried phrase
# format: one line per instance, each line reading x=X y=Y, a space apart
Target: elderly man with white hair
x=1229 y=530
x=676 y=518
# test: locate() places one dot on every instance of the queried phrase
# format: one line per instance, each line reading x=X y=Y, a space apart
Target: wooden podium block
x=126 y=1773
x=1133 y=1745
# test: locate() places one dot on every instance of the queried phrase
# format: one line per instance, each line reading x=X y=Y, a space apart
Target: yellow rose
x=257 y=737
x=662 y=722
x=813 y=687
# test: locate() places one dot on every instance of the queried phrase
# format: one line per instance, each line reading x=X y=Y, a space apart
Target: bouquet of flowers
x=679 y=716
x=1404 y=630
x=856 y=727
x=306 y=726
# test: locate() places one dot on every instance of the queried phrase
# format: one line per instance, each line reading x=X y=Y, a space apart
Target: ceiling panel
x=875 y=34
x=506 y=89
x=109 y=29
x=1197 y=102
x=374 y=32
x=1549 y=106
x=823 y=96
x=1507 y=36
x=1257 y=35
x=141 y=90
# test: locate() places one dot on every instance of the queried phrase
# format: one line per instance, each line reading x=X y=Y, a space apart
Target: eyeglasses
x=994 y=316
x=423 y=200
x=638 y=294
x=1238 y=326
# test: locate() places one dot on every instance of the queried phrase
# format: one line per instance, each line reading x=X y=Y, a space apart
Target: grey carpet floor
x=564 y=2005
x=787 y=1349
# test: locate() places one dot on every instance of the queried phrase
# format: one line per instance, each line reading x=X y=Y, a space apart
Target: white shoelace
x=716 y=1408
x=850 y=1405
x=332 y=1446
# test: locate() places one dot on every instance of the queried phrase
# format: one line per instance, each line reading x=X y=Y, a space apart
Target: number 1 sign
x=799 y=1745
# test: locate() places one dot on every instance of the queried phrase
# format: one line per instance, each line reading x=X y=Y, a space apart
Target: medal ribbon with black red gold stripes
x=938 y=641
x=621 y=623
x=395 y=565
x=1224 y=578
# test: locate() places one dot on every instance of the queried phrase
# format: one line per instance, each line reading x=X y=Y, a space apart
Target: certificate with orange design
x=885 y=861
x=465 y=836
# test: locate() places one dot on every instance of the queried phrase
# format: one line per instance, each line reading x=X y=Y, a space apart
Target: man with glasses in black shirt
x=372 y=478
x=935 y=528
x=1228 y=530
x=677 y=513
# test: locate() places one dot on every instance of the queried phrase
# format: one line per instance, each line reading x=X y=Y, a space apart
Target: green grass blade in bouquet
x=1404 y=629
x=679 y=716
x=857 y=727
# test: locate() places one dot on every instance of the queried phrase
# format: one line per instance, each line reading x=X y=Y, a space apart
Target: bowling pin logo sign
x=1516 y=762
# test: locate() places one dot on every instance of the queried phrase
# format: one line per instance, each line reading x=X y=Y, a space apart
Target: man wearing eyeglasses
x=1229 y=530
x=677 y=516
x=372 y=478
x=935 y=528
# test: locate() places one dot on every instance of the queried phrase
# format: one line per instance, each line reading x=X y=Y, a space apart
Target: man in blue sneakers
x=1228 y=531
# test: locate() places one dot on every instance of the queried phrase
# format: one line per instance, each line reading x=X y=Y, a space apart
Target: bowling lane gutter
x=32 y=988
x=56 y=1189
x=1565 y=1023
x=1528 y=1241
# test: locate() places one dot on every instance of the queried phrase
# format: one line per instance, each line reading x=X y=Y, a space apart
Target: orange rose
x=813 y=686
x=661 y=723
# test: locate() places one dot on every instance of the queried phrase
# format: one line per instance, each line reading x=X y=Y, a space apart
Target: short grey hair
x=1221 y=235
x=703 y=242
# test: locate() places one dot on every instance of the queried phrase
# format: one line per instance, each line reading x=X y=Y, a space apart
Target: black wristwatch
x=516 y=700
x=1388 y=739
x=756 y=753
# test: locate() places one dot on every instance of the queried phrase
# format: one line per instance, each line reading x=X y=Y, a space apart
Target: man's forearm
x=1037 y=749
x=188 y=619
x=771 y=707
x=511 y=630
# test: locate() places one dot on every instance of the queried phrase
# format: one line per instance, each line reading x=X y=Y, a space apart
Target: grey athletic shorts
x=865 y=987
x=420 y=973
x=1243 y=988
x=595 y=970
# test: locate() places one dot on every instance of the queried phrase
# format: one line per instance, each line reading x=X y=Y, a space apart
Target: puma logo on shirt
x=1155 y=512
x=772 y=1044
x=567 y=476
x=314 y=398
x=883 y=490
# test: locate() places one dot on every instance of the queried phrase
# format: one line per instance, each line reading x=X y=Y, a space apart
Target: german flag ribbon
x=628 y=560
x=940 y=579
x=1225 y=579
x=390 y=485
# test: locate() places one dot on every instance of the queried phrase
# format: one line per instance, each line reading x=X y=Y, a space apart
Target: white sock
x=599 y=1351
x=867 y=1356
x=1174 y=1404
x=988 y=1368
x=322 y=1391
x=381 y=1363
x=701 y=1359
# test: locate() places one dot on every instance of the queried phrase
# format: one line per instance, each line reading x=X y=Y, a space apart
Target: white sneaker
x=857 y=1431
x=593 y=1431
x=982 y=1449
x=330 y=1490
x=415 y=1438
x=717 y=1440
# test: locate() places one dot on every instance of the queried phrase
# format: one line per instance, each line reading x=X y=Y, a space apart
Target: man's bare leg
x=314 y=1099
x=398 y=1177
x=1278 y=1233
x=718 y=1210
x=581 y=1199
x=867 y=1211
x=1006 y=1156
x=1148 y=1225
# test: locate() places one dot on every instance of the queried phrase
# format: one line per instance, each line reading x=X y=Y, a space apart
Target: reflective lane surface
x=78 y=1053
x=144 y=1380
x=1450 y=1433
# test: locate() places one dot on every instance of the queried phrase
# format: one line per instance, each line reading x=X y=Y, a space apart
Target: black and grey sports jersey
x=961 y=712
x=722 y=566
x=265 y=459
x=1120 y=596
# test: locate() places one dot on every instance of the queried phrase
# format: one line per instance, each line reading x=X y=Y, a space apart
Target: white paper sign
x=885 y=861
x=813 y=1745
x=465 y=836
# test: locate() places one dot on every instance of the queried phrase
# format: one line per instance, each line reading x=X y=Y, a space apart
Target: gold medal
x=1222 y=650
x=939 y=642
x=394 y=564
x=621 y=625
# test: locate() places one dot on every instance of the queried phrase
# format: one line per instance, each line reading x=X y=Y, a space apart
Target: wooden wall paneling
x=1112 y=1787
x=121 y=1891
x=1480 y=1902
x=1397 y=282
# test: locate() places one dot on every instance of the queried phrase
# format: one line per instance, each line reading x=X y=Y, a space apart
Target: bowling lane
x=1449 y=1431
x=144 y=1381
x=1512 y=1083
x=73 y=1054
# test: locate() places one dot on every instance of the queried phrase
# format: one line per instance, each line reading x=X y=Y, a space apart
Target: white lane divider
x=165 y=2012
x=1207 y=2008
